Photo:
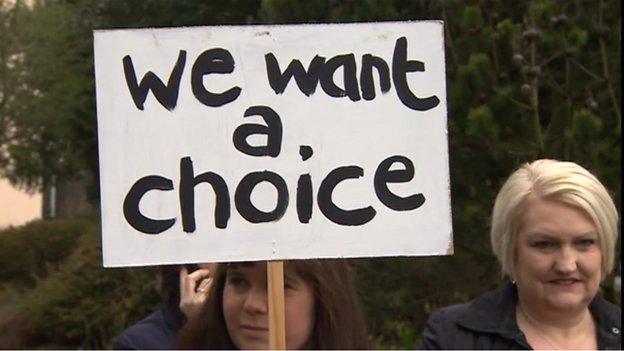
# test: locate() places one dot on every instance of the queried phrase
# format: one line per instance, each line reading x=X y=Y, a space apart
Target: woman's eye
x=586 y=243
x=543 y=245
x=292 y=283
x=236 y=280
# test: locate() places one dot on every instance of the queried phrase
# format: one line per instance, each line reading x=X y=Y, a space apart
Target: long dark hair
x=339 y=321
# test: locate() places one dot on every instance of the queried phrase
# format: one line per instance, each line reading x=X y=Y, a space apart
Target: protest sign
x=242 y=143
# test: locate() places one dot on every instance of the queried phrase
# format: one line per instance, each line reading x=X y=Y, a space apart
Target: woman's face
x=246 y=310
x=558 y=257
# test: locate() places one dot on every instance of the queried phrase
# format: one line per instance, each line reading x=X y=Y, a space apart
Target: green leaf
x=585 y=125
x=577 y=37
x=481 y=124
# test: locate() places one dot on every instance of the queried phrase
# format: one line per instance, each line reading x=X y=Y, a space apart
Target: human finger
x=196 y=277
x=208 y=265
x=185 y=287
x=200 y=274
x=204 y=285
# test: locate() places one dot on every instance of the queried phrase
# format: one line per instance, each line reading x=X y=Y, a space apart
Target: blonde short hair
x=561 y=181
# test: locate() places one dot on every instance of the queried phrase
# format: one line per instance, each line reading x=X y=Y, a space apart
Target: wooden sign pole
x=277 y=325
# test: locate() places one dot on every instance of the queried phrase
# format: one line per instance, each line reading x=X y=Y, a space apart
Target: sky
x=16 y=206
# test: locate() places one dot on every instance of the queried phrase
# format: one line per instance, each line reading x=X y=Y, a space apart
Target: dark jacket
x=157 y=331
x=489 y=322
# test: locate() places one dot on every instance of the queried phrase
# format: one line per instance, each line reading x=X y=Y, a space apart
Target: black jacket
x=157 y=331
x=489 y=322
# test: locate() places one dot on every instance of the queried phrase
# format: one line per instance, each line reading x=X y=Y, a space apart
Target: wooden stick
x=277 y=325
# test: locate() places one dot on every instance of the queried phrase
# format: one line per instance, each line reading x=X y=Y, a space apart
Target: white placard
x=243 y=143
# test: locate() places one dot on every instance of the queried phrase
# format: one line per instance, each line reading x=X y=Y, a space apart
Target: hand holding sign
x=194 y=288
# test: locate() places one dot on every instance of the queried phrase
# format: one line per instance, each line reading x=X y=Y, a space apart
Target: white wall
x=16 y=206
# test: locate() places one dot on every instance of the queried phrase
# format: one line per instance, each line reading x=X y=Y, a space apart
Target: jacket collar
x=495 y=312
x=608 y=318
x=173 y=317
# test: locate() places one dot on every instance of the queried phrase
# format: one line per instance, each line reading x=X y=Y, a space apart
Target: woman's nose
x=566 y=261
x=256 y=301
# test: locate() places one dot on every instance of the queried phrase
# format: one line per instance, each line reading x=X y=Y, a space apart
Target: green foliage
x=79 y=304
x=481 y=124
x=30 y=252
x=52 y=108
x=472 y=17
x=293 y=11
x=577 y=37
x=585 y=126
x=7 y=81
x=84 y=305
x=52 y=103
x=542 y=10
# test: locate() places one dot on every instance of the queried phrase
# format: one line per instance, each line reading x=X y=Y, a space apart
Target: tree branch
x=449 y=38
x=605 y=69
x=587 y=71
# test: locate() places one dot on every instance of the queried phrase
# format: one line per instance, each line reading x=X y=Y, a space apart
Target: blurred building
x=66 y=197
x=16 y=206
x=61 y=199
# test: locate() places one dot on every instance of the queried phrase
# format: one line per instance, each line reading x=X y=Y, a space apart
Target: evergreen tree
x=525 y=80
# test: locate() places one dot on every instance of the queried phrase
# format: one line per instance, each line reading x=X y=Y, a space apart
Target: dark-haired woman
x=321 y=308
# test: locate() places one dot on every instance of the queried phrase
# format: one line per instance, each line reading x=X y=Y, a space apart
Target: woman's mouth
x=564 y=281
x=254 y=330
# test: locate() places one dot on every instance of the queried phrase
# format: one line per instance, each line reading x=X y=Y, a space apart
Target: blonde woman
x=554 y=230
